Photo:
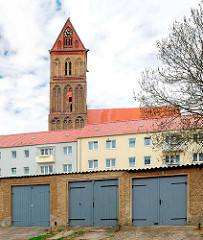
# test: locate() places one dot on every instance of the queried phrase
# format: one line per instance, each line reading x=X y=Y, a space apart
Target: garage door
x=93 y=203
x=159 y=201
x=31 y=205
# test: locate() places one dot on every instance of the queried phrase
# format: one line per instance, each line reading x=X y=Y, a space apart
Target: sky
x=120 y=34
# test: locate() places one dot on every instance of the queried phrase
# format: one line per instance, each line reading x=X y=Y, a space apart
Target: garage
x=93 y=203
x=31 y=205
x=159 y=201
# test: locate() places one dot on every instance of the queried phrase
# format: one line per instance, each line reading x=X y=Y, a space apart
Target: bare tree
x=178 y=82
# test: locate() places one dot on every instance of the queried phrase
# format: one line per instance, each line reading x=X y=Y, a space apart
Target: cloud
x=121 y=36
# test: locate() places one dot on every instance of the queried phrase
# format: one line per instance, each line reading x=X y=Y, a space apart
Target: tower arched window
x=68 y=67
x=59 y=45
x=79 y=67
x=79 y=98
x=56 y=68
x=67 y=123
x=70 y=42
x=56 y=99
x=55 y=124
x=79 y=122
x=68 y=99
x=76 y=44
x=68 y=37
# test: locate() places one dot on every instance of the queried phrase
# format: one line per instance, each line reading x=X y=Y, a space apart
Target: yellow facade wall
x=122 y=152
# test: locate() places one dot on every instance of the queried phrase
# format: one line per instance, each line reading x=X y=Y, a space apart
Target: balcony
x=45 y=159
x=172 y=147
x=172 y=160
x=172 y=163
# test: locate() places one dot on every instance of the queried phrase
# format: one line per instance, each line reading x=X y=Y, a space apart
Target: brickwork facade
x=68 y=88
x=59 y=192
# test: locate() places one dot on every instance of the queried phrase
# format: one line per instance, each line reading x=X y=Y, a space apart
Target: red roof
x=117 y=128
x=124 y=114
x=99 y=130
x=139 y=126
x=35 y=138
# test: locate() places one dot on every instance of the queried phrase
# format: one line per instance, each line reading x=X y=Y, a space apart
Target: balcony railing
x=45 y=159
x=167 y=147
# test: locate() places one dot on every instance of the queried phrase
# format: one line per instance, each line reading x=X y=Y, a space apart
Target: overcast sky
x=121 y=36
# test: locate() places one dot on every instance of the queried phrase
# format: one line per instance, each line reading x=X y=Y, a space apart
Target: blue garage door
x=93 y=203
x=159 y=201
x=31 y=205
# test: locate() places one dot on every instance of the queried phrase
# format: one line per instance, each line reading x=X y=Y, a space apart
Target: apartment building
x=38 y=153
x=132 y=145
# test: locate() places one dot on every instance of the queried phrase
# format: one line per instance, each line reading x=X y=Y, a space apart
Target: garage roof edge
x=197 y=165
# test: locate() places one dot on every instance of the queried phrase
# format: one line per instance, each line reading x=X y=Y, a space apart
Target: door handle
x=160 y=201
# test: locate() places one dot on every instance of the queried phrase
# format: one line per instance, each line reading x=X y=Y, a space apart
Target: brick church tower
x=68 y=87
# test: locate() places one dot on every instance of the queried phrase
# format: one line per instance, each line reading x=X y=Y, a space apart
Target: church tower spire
x=68 y=87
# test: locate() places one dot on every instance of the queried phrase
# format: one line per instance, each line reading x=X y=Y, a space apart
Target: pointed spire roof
x=76 y=42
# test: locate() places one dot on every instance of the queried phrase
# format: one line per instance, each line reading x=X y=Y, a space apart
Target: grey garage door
x=159 y=201
x=31 y=205
x=93 y=203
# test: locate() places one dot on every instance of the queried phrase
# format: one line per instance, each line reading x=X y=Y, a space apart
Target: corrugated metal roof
x=197 y=165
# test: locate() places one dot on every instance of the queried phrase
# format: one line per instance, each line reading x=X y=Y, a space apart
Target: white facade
x=38 y=159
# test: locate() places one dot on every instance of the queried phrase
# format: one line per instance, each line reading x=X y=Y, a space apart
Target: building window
x=67 y=123
x=172 y=159
x=132 y=142
x=26 y=153
x=46 y=151
x=147 y=141
x=26 y=170
x=110 y=162
x=110 y=144
x=79 y=122
x=46 y=169
x=14 y=154
x=68 y=68
x=67 y=150
x=92 y=164
x=67 y=168
x=13 y=171
x=198 y=157
x=93 y=145
x=56 y=99
x=70 y=42
x=131 y=161
x=147 y=160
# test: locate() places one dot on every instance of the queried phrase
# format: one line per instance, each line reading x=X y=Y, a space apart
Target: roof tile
x=124 y=114
x=35 y=138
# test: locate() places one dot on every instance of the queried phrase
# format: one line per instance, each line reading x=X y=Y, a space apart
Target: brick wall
x=59 y=192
